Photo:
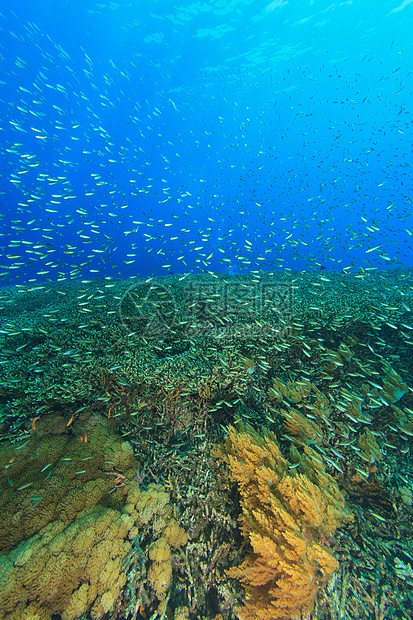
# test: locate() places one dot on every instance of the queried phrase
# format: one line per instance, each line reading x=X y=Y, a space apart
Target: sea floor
x=114 y=393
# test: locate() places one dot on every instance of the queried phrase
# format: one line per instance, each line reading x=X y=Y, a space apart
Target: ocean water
x=150 y=138
x=206 y=310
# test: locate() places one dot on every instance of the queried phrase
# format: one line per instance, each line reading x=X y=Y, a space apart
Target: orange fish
x=70 y=421
x=33 y=422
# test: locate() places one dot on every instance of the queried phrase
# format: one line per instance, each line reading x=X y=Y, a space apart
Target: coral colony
x=207 y=464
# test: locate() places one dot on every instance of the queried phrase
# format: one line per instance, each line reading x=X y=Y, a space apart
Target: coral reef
x=66 y=570
x=160 y=571
x=369 y=447
x=305 y=431
x=61 y=523
x=77 y=565
x=160 y=553
x=288 y=520
x=55 y=474
x=343 y=363
x=150 y=511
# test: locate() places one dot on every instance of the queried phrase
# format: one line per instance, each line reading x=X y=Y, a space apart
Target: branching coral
x=393 y=386
x=370 y=449
x=287 y=518
x=305 y=431
x=291 y=391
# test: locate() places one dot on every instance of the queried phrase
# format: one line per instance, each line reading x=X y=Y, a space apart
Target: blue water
x=147 y=138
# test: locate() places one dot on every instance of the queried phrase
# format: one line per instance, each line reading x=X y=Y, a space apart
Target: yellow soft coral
x=160 y=571
x=287 y=518
x=393 y=386
x=291 y=391
x=304 y=430
x=66 y=570
x=57 y=476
